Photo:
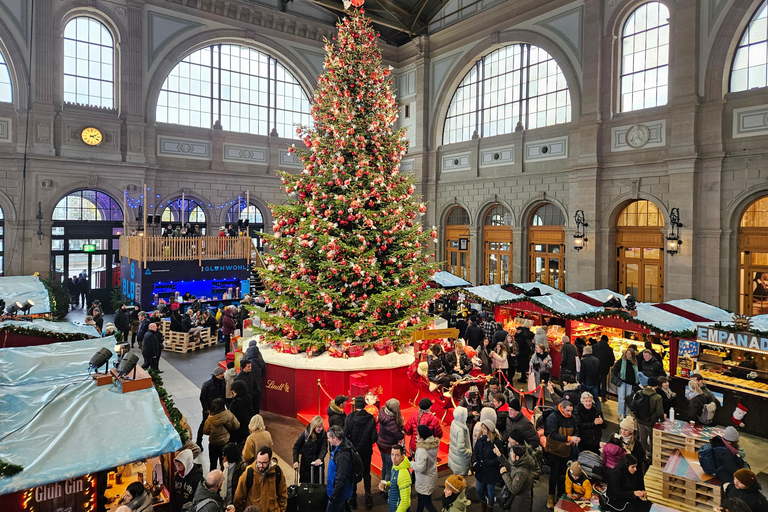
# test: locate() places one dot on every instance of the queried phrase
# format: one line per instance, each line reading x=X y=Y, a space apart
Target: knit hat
x=746 y=477
x=490 y=425
x=218 y=371
x=515 y=404
x=424 y=432
x=359 y=402
x=628 y=423
x=455 y=483
x=653 y=382
x=731 y=434
x=473 y=390
x=340 y=399
x=425 y=404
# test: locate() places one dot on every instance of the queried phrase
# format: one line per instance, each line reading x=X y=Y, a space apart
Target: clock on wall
x=92 y=136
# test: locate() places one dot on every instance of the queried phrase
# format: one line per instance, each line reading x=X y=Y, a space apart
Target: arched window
x=246 y=90
x=497 y=246
x=645 y=57
x=6 y=89
x=640 y=251
x=546 y=246
x=517 y=83
x=85 y=242
x=239 y=212
x=89 y=55
x=750 y=67
x=193 y=213
x=753 y=259
x=457 y=242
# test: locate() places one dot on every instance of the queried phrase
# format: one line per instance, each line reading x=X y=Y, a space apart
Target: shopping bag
x=531 y=382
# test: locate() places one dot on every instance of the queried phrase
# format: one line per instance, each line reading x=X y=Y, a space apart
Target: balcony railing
x=155 y=248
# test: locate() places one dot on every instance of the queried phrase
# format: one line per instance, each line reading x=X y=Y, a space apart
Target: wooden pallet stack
x=682 y=485
x=680 y=435
x=180 y=342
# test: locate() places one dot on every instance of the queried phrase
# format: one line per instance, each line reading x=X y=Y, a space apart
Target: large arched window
x=640 y=251
x=246 y=90
x=6 y=88
x=193 y=213
x=750 y=63
x=89 y=55
x=753 y=258
x=645 y=58
x=85 y=242
x=546 y=246
x=517 y=83
x=239 y=212
x=497 y=246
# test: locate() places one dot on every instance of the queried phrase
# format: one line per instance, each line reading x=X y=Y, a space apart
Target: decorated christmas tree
x=348 y=260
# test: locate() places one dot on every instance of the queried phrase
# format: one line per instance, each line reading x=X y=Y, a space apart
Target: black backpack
x=249 y=479
x=357 y=467
x=640 y=405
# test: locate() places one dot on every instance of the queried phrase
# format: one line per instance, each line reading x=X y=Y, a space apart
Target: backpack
x=707 y=459
x=640 y=405
x=707 y=413
x=542 y=420
x=357 y=467
x=249 y=479
x=592 y=464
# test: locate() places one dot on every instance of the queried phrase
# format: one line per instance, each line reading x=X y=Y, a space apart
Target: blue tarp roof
x=21 y=288
x=448 y=280
x=58 y=424
x=54 y=327
x=492 y=293
x=565 y=305
x=661 y=320
x=545 y=289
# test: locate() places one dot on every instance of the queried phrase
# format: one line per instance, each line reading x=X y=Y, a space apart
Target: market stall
x=26 y=288
x=73 y=440
x=23 y=333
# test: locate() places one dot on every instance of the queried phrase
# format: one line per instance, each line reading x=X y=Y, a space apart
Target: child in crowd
x=577 y=485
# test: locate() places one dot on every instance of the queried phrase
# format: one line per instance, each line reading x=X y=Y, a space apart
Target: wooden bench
x=180 y=342
x=679 y=435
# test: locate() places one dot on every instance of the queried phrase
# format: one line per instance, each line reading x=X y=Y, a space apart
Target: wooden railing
x=155 y=248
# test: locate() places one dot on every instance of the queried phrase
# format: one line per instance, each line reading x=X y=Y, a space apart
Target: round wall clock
x=92 y=136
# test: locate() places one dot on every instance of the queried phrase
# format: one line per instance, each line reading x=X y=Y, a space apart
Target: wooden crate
x=680 y=435
x=682 y=485
x=178 y=342
x=690 y=494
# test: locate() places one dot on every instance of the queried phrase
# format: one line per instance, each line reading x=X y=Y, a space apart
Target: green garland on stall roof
x=63 y=336
x=731 y=328
x=173 y=413
x=8 y=469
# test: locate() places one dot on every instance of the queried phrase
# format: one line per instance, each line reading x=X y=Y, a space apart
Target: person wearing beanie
x=454 y=498
x=486 y=464
x=425 y=468
x=648 y=415
x=727 y=455
x=746 y=488
x=360 y=429
x=561 y=430
x=472 y=402
x=517 y=474
x=577 y=484
x=520 y=427
x=336 y=413
x=630 y=443
x=486 y=413
x=568 y=356
x=460 y=446
x=423 y=417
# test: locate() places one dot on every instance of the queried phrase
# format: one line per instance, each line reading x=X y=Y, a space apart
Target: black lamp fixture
x=631 y=302
x=28 y=304
x=100 y=359
x=128 y=365
x=579 y=238
x=673 y=238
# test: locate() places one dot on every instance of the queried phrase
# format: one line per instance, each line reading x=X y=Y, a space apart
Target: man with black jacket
x=213 y=388
x=523 y=339
x=250 y=374
x=360 y=429
x=649 y=365
x=474 y=335
x=123 y=322
x=152 y=348
x=568 y=356
x=604 y=353
x=500 y=336
x=589 y=376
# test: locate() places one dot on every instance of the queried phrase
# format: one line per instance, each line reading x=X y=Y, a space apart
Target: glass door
x=498 y=256
x=640 y=273
x=547 y=264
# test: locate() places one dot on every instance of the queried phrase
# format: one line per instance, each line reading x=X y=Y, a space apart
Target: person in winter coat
x=561 y=431
x=520 y=427
x=483 y=358
x=435 y=368
x=219 y=427
x=208 y=495
x=568 y=356
x=310 y=449
x=251 y=374
x=474 y=334
x=541 y=365
x=499 y=403
x=486 y=464
x=227 y=329
x=268 y=490
x=727 y=454
x=580 y=343
x=234 y=467
x=524 y=339
x=151 y=348
x=512 y=351
x=242 y=408
x=486 y=413
x=360 y=429
x=258 y=438
x=391 y=433
x=649 y=366
x=212 y=389
x=399 y=485
x=577 y=485
x=423 y=417
x=123 y=322
x=746 y=488
x=589 y=375
x=460 y=446
x=613 y=451
x=500 y=359
x=604 y=353
x=457 y=362
x=517 y=475
x=626 y=489
x=571 y=390
x=137 y=498
x=655 y=414
x=229 y=377
x=668 y=397
x=493 y=388
x=188 y=477
x=454 y=497
x=697 y=402
x=471 y=401
x=425 y=469
x=499 y=336
x=624 y=375
x=336 y=414
x=590 y=423
x=630 y=443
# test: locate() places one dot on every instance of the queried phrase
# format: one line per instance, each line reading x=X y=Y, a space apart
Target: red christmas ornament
x=358 y=3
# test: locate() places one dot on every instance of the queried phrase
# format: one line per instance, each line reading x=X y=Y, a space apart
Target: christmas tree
x=348 y=259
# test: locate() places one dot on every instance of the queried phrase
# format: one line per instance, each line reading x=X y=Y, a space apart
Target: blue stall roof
x=58 y=424
x=22 y=288
x=492 y=293
x=53 y=327
x=545 y=289
x=448 y=280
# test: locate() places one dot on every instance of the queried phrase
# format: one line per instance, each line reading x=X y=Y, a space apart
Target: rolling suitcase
x=293 y=491
x=312 y=497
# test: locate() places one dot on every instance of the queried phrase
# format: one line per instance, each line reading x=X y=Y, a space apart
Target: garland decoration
x=8 y=469
x=40 y=333
x=165 y=398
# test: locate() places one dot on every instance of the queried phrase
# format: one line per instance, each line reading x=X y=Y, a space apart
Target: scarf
x=448 y=501
x=560 y=408
x=623 y=372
